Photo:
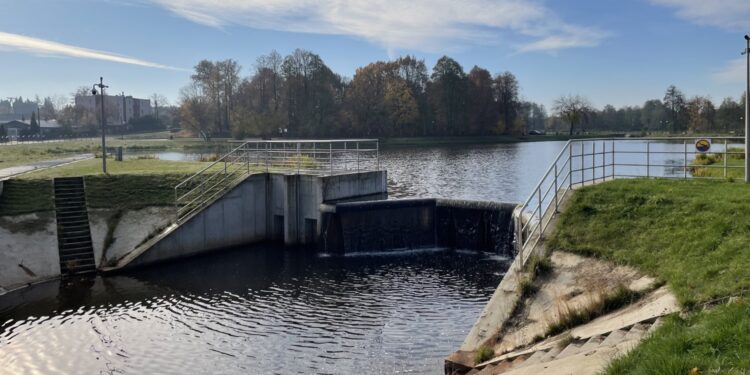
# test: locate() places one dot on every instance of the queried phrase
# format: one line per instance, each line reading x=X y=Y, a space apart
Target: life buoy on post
x=703 y=145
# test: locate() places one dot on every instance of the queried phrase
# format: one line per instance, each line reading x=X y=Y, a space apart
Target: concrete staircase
x=73 y=232
x=579 y=356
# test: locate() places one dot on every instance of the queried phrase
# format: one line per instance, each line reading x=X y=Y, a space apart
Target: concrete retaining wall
x=264 y=207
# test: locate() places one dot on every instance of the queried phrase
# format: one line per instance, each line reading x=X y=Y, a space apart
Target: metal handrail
x=591 y=165
x=321 y=157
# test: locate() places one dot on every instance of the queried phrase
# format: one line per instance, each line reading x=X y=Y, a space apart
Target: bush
x=484 y=353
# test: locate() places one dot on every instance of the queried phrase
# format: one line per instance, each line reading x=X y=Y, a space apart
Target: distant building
x=119 y=109
x=17 y=128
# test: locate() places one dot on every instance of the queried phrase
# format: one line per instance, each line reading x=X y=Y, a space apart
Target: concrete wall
x=239 y=217
x=268 y=206
x=28 y=249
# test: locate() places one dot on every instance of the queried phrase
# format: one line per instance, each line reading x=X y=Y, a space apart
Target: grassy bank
x=14 y=155
x=91 y=167
x=712 y=165
x=693 y=235
x=131 y=184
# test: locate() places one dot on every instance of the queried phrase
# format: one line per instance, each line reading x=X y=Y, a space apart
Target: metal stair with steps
x=551 y=360
x=73 y=231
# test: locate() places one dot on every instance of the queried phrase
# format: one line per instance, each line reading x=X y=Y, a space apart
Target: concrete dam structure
x=410 y=224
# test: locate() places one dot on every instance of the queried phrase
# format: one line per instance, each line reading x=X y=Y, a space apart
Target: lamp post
x=101 y=87
x=747 y=108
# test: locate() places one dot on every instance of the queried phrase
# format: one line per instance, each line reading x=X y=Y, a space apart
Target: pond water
x=254 y=310
x=265 y=309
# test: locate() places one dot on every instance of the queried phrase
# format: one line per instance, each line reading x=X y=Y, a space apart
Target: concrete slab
x=28 y=249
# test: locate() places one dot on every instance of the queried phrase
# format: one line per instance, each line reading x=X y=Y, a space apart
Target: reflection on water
x=502 y=172
x=253 y=310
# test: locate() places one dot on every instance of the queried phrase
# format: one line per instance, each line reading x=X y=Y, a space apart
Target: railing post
x=299 y=157
x=570 y=165
x=541 y=220
x=613 y=159
x=604 y=160
x=377 y=154
x=357 y=157
x=557 y=204
x=725 y=157
x=582 y=165
x=346 y=160
x=330 y=156
x=265 y=157
x=593 y=161
x=176 y=207
x=648 y=159
x=684 y=159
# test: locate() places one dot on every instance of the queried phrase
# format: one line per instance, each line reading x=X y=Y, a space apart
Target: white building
x=119 y=109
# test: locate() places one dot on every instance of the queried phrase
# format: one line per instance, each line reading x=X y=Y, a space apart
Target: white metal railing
x=586 y=161
x=321 y=157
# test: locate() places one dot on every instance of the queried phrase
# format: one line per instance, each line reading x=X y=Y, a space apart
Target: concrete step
x=656 y=324
x=77 y=256
x=73 y=225
x=68 y=241
x=636 y=332
x=74 y=245
x=533 y=359
x=551 y=354
x=614 y=338
x=571 y=349
x=592 y=344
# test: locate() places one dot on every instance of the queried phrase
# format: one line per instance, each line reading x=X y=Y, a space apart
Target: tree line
x=674 y=113
x=299 y=95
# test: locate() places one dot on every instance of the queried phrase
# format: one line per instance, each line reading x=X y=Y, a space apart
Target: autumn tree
x=506 y=92
x=448 y=96
x=481 y=106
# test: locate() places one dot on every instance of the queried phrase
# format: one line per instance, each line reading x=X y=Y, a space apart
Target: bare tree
x=573 y=109
x=158 y=100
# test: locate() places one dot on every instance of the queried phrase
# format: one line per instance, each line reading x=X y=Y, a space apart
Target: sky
x=619 y=52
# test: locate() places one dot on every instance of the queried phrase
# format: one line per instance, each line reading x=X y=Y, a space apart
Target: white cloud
x=48 y=48
x=426 y=25
x=733 y=72
x=725 y=14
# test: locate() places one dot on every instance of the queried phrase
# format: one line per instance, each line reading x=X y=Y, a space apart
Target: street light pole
x=747 y=108
x=101 y=87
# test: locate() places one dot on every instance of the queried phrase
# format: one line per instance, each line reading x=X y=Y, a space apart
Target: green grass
x=128 y=166
x=484 y=353
x=712 y=165
x=691 y=234
x=24 y=196
x=131 y=184
x=716 y=341
x=14 y=155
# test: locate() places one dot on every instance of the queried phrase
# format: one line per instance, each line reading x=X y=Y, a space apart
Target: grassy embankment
x=20 y=154
x=693 y=235
x=712 y=165
x=131 y=184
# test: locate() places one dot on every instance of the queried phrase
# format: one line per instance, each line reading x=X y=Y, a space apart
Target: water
x=502 y=172
x=253 y=310
x=265 y=310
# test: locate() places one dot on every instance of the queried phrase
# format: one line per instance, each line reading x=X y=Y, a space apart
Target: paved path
x=20 y=169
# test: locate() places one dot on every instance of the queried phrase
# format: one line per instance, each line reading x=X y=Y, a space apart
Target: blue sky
x=613 y=52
